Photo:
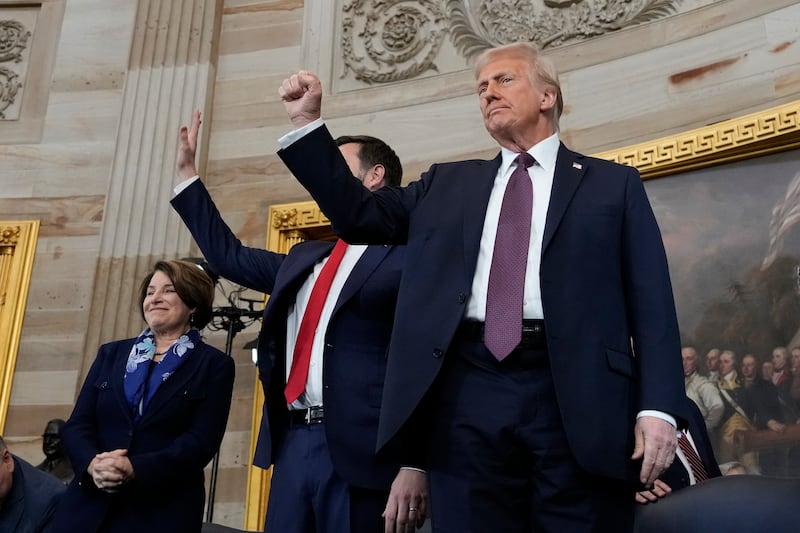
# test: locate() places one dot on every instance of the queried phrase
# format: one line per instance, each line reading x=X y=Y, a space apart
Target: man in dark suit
x=336 y=415
x=546 y=435
x=28 y=497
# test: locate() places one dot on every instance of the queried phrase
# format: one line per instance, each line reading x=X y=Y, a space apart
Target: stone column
x=171 y=71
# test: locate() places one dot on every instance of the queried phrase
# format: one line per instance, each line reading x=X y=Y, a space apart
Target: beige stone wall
x=55 y=167
x=117 y=84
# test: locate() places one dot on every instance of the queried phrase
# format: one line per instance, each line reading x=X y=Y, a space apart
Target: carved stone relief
x=480 y=24
x=391 y=40
x=13 y=43
x=9 y=87
x=13 y=40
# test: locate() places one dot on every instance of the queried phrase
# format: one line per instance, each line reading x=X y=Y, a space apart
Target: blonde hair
x=542 y=69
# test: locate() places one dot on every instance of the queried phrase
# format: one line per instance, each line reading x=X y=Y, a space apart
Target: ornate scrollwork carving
x=9 y=87
x=391 y=40
x=9 y=235
x=476 y=25
x=13 y=40
x=284 y=219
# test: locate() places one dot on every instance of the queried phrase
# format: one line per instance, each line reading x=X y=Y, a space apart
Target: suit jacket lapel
x=293 y=272
x=118 y=377
x=366 y=264
x=570 y=168
x=475 y=191
x=299 y=266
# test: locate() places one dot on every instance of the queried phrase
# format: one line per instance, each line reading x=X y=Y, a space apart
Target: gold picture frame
x=17 y=249
x=764 y=132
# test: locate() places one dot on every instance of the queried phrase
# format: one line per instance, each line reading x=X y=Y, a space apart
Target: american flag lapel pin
x=577 y=165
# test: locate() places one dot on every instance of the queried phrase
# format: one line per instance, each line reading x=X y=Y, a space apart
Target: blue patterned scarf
x=143 y=376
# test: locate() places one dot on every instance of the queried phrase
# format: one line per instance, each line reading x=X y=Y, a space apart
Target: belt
x=533 y=332
x=304 y=417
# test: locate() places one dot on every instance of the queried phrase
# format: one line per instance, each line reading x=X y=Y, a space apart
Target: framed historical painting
x=727 y=199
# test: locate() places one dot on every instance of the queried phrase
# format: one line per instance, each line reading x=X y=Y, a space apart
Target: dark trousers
x=500 y=458
x=308 y=496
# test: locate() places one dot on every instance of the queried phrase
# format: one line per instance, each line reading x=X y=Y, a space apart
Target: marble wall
x=88 y=148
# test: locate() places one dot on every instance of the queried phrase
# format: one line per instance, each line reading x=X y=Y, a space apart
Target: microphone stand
x=231 y=321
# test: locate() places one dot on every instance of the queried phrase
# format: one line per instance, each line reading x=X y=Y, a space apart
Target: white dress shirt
x=682 y=457
x=313 y=393
x=541 y=174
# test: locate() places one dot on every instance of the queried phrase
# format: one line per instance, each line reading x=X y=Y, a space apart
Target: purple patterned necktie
x=503 y=328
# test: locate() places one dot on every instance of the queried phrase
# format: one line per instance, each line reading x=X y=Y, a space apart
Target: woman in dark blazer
x=150 y=416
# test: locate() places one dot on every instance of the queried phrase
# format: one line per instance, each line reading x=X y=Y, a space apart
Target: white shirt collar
x=544 y=152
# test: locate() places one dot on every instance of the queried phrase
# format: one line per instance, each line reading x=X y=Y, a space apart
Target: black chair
x=732 y=504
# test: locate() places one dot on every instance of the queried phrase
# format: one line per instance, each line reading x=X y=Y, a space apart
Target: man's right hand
x=302 y=97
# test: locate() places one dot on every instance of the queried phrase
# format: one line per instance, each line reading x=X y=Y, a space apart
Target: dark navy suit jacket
x=176 y=437
x=30 y=504
x=356 y=339
x=603 y=276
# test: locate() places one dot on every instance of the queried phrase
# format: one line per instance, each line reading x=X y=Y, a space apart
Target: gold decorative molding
x=9 y=236
x=17 y=248
x=297 y=216
x=296 y=222
x=258 y=479
x=764 y=132
x=283 y=219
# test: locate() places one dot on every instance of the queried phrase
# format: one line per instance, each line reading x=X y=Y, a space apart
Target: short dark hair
x=193 y=285
x=374 y=151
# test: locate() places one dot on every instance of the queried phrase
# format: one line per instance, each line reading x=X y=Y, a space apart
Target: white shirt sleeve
x=658 y=414
x=299 y=133
x=185 y=183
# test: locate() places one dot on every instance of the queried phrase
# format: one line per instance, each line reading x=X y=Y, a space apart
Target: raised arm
x=254 y=268
x=302 y=97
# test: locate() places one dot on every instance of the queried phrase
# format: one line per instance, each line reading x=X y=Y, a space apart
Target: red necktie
x=698 y=470
x=298 y=375
x=503 y=326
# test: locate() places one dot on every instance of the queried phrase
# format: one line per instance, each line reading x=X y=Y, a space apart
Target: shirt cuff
x=295 y=135
x=658 y=414
x=415 y=469
x=179 y=188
